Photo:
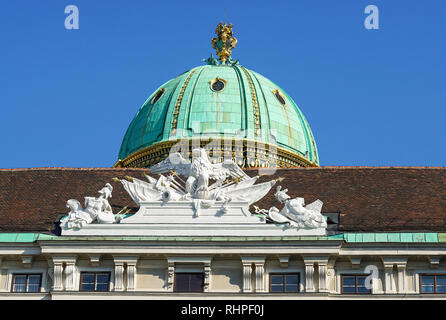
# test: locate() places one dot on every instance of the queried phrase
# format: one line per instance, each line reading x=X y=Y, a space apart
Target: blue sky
x=372 y=97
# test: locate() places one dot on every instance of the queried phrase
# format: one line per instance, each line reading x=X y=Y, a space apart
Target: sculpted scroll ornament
x=96 y=210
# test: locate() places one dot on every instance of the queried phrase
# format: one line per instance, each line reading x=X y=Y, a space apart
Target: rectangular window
x=95 y=281
x=189 y=282
x=354 y=284
x=26 y=282
x=284 y=282
x=432 y=283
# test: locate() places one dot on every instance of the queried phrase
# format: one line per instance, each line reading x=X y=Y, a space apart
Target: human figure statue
x=295 y=211
x=96 y=210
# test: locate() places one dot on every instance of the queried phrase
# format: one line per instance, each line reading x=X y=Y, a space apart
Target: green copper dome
x=217 y=100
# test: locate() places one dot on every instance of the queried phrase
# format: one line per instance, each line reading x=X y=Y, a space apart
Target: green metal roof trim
x=395 y=237
x=226 y=112
x=425 y=237
x=25 y=237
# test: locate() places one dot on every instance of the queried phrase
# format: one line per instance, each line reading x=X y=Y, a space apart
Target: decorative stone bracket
x=434 y=261
x=27 y=261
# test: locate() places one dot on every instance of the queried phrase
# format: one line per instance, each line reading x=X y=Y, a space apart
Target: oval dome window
x=218 y=84
x=158 y=95
x=279 y=97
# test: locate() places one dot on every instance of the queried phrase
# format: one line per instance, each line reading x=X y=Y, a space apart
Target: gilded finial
x=224 y=42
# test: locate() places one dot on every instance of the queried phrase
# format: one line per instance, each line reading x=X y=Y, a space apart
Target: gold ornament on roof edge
x=225 y=41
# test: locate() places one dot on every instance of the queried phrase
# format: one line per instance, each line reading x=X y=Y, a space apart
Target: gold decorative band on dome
x=176 y=111
x=246 y=153
x=254 y=102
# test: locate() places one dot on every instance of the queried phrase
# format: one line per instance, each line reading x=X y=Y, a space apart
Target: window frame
x=26 y=283
x=284 y=274
x=277 y=91
x=189 y=273
x=420 y=275
x=211 y=83
x=82 y=273
x=356 y=275
x=158 y=95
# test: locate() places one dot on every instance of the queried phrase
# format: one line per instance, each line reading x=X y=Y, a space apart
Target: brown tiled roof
x=369 y=199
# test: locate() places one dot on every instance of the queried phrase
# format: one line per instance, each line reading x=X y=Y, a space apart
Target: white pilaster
x=57 y=276
x=260 y=276
x=402 y=278
x=119 y=275
x=309 y=274
x=322 y=272
x=389 y=281
x=70 y=275
x=131 y=273
x=247 y=269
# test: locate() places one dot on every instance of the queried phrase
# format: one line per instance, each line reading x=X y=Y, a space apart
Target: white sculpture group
x=96 y=210
x=295 y=213
x=230 y=185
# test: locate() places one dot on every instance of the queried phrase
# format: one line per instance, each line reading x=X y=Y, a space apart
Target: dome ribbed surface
x=247 y=107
